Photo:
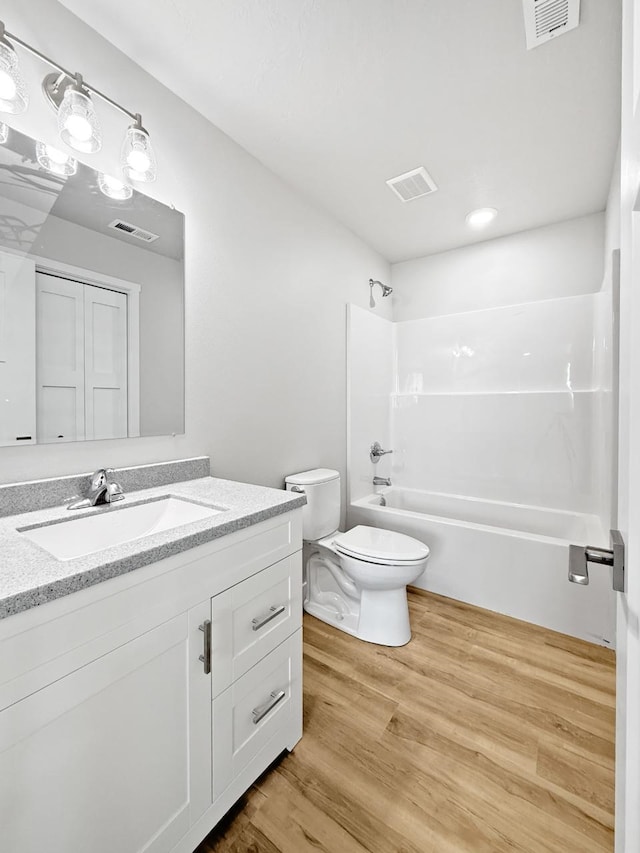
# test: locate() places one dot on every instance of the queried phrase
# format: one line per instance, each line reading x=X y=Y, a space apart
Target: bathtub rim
x=367 y=502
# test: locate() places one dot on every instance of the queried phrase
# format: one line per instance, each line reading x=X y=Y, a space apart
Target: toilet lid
x=380 y=546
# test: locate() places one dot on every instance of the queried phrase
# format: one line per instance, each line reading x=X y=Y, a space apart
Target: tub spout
x=382 y=481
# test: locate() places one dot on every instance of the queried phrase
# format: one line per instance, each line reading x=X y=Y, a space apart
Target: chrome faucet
x=382 y=481
x=101 y=491
x=376 y=452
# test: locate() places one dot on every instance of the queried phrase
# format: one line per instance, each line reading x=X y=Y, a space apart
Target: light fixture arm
x=76 y=78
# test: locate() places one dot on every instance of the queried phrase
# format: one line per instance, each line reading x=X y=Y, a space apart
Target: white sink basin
x=115 y=526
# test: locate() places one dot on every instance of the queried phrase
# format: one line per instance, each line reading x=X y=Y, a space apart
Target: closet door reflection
x=17 y=350
x=81 y=343
x=60 y=359
x=105 y=363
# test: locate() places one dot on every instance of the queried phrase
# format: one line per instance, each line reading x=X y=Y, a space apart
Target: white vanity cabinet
x=257 y=677
x=114 y=736
x=100 y=761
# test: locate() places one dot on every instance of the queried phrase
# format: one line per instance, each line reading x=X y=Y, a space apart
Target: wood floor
x=483 y=734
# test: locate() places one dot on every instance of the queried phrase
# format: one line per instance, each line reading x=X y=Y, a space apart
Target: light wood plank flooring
x=483 y=734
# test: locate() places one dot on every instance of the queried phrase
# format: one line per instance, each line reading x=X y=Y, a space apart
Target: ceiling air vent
x=133 y=231
x=413 y=184
x=546 y=19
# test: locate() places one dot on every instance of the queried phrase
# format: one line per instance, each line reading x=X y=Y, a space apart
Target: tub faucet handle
x=376 y=451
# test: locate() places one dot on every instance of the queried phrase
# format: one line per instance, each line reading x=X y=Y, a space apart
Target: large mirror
x=91 y=305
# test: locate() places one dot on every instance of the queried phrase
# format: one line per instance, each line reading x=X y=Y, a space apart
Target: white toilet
x=357 y=580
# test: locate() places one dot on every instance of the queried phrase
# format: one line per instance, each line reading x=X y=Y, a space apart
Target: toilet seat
x=383 y=547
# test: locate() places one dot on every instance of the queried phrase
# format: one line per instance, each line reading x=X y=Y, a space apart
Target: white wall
x=606 y=359
x=267 y=281
x=371 y=378
x=565 y=259
x=612 y=221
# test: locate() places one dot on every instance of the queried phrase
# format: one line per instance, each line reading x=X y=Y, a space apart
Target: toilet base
x=384 y=617
x=380 y=618
x=377 y=615
x=345 y=622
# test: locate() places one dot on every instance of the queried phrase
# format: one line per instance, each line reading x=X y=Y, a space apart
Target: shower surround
x=498 y=421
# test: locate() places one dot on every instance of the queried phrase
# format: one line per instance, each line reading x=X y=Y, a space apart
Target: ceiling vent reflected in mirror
x=133 y=230
x=547 y=19
x=414 y=184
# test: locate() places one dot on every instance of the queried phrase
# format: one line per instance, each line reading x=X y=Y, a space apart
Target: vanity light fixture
x=14 y=97
x=4 y=132
x=138 y=158
x=78 y=123
x=114 y=188
x=72 y=99
x=55 y=161
x=481 y=217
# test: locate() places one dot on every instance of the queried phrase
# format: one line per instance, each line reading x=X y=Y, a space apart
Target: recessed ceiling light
x=481 y=217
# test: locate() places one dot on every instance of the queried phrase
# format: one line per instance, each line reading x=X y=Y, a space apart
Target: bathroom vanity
x=144 y=687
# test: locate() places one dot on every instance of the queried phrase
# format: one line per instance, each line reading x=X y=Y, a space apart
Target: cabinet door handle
x=206 y=656
x=261 y=621
x=262 y=710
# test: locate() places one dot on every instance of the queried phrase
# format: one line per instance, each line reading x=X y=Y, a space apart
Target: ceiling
x=336 y=97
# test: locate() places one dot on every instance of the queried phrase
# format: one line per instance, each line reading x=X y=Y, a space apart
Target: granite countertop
x=30 y=576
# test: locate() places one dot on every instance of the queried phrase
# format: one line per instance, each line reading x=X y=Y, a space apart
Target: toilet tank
x=321 y=515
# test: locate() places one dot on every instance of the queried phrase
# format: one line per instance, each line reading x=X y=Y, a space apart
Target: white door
x=628 y=611
x=116 y=756
x=60 y=359
x=17 y=350
x=81 y=361
x=105 y=360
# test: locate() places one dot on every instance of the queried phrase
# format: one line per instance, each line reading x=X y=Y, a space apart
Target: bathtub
x=509 y=558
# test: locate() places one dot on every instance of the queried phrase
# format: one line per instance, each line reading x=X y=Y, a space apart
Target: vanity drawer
x=265 y=703
x=252 y=618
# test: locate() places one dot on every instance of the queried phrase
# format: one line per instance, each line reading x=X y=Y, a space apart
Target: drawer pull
x=206 y=657
x=261 y=621
x=262 y=710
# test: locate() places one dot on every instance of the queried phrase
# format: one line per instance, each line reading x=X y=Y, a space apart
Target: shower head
x=386 y=291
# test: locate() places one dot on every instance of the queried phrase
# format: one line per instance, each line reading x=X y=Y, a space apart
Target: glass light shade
x=55 y=161
x=4 y=132
x=138 y=158
x=14 y=97
x=78 y=123
x=113 y=188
